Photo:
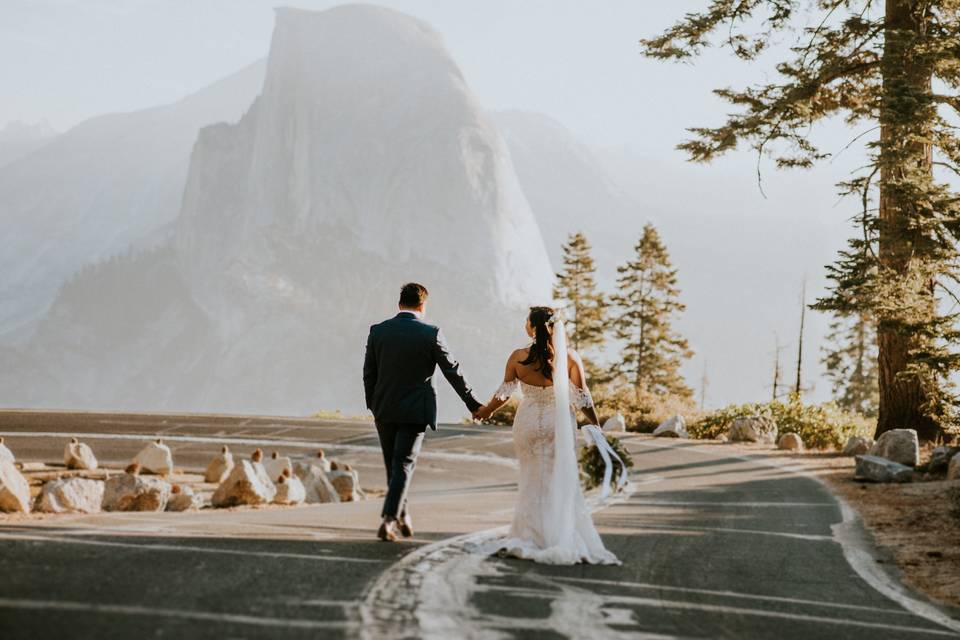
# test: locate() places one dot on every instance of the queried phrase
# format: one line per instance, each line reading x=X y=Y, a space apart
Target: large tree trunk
x=901 y=397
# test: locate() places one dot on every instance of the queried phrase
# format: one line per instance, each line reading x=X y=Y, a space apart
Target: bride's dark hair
x=541 y=351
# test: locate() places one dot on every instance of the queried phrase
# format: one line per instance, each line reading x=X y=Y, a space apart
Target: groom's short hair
x=412 y=295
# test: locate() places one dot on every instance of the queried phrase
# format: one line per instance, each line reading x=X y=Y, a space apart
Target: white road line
x=489 y=458
x=853 y=539
x=184 y=548
x=140 y=522
x=707 y=503
x=179 y=614
x=741 y=611
x=731 y=594
x=757 y=532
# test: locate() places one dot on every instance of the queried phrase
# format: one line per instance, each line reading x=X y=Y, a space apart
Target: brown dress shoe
x=388 y=531
x=406 y=526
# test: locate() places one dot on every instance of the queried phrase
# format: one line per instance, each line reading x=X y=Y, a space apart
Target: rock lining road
x=715 y=545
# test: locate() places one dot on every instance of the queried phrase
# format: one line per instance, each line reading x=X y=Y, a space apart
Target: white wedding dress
x=551 y=523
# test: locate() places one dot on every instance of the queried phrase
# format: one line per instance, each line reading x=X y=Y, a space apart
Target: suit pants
x=400 y=443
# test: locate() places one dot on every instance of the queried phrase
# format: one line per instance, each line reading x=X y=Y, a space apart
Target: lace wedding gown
x=551 y=523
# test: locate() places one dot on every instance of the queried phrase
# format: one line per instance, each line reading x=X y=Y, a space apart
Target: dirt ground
x=918 y=522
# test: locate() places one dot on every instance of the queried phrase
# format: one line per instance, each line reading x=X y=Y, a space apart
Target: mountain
x=109 y=183
x=365 y=162
x=18 y=139
x=570 y=190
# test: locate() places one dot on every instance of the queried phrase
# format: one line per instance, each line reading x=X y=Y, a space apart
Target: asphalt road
x=714 y=545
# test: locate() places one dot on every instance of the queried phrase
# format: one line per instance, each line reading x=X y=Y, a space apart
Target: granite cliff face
x=365 y=162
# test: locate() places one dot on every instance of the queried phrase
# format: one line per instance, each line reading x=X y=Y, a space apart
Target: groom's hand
x=482 y=413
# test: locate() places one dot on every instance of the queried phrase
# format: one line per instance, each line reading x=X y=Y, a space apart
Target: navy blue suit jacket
x=402 y=355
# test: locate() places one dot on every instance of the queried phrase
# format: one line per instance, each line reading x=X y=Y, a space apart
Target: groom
x=402 y=354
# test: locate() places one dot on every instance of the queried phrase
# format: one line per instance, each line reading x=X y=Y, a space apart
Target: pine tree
x=851 y=362
x=576 y=286
x=895 y=66
x=645 y=304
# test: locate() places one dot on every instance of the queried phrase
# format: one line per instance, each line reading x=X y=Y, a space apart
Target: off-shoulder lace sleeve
x=507 y=390
x=580 y=398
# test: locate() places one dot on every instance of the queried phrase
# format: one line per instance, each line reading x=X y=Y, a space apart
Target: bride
x=551 y=523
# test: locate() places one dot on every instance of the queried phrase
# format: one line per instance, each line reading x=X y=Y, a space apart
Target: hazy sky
x=576 y=60
x=66 y=60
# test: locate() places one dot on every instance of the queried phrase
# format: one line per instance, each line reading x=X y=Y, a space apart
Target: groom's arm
x=451 y=371
x=369 y=371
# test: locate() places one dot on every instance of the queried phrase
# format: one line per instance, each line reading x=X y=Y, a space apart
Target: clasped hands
x=482 y=413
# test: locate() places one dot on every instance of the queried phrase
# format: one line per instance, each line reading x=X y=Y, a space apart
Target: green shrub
x=592 y=466
x=820 y=426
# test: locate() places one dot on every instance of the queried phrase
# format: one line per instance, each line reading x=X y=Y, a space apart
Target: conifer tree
x=893 y=68
x=586 y=318
x=851 y=362
x=645 y=305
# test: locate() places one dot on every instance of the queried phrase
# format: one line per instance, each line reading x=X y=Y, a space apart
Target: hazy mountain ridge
x=298 y=225
x=334 y=250
x=126 y=329
x=18 y=139
x=112 y=182
x=569 y=190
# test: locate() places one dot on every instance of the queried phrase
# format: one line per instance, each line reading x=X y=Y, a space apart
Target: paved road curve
x=714 y=546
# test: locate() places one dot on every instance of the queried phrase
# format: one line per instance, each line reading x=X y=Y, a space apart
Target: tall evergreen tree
x=851 y=362
x=578 y=289
x=894 y=65
x=645 y=304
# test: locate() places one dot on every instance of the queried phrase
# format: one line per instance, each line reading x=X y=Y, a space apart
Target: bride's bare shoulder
x=519 y=354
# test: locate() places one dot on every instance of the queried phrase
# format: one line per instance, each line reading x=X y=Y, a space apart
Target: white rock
x=790 y=442
x=275 y=465
x=248 y=483
x=78 y=455
x=183 y=498
x=14 y=489
x=878 y=469
x=346 y=481
x=5 y=453
x=615 y=424
x=290 y=490
x=318 y=487
x=899 y=445
x=857 y=446
x=129 y=492
x=156 y=458
x=220 y=467
x=674 y=427
x=759 y=429
x=953 y=469
x=71 y=495
x=322 y=461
